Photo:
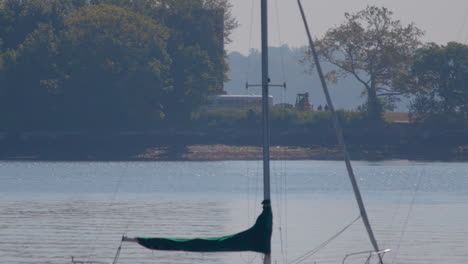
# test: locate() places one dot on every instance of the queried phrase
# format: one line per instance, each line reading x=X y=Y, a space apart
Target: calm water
x=52 y=211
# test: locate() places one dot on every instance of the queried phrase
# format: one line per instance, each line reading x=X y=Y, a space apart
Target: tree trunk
x=374 y=108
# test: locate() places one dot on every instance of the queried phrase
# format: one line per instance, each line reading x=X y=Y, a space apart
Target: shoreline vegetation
x=134 y=80
x=220 y=152
x=236 y=135
x=399 y=142
x=215 y=136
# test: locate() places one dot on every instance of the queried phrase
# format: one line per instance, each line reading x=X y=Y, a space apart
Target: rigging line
x=462 y=26
x=282 y=179
x=283 y=204
x=257 y=179
x=466 y=39
x=279 y=202
x=111 y=203
x=340 y=138
x=250 y=41
x=280 y=188
x=249 y=261
x=117 y=254
x=398 y=205
x=405 y=224
x=283 y=226
x=247 y=175
x=310 y=253
x=286 y=208
x=280 y=40
x=251 y=205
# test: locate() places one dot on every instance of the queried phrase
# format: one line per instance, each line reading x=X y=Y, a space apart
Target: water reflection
x=51 y=211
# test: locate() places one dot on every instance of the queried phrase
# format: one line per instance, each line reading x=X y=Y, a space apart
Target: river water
x=52 y=211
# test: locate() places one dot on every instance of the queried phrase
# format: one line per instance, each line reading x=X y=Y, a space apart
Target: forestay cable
x=117 y=254
x=107 y=213
x=405 y=225
x=249 y=57
x=339 y=135
x=324 y=244
x=281 y=187
x=280 y=41
x=461 y=36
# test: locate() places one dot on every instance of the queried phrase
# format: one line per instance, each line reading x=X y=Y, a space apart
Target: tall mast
x=265 y=112
x=265 y=103
x=339 y=135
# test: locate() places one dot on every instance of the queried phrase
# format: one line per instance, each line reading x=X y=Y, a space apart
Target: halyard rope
x=405 y=225
x=310 y=253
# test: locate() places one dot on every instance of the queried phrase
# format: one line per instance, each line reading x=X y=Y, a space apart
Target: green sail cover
x=257 y=238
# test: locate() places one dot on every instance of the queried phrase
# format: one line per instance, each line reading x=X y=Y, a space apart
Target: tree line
x=143 y=64
x=109 y=64
x=389 y=61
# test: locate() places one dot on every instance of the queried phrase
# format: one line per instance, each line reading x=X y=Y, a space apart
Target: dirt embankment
x=114 y=151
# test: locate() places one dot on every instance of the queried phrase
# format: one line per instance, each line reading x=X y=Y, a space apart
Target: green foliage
x=442 y=75
x=193 y=79
x=20 y=18
x=376 y=50
x=281 y=119
x=205 y=34
x=224 y=118
x=125 y=74
x=210 y=25
x=292 y=118
x=103 y=64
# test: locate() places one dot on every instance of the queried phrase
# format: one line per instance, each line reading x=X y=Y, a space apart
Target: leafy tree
x=20 y=18
x=193 y=24
x=193 y=79
x=442 y=75
x=199 y=65
x=31 y=80
x=203 y=36
x=187 y=6
x=375 y=49
x=108 y=63
x=118 y=67
x=205 y=19
x=160 y=9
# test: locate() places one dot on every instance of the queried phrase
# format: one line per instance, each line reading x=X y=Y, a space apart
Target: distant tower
x=302 y=102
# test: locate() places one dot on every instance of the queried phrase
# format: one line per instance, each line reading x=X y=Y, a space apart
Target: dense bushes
x=281 y=118
x=108 y=64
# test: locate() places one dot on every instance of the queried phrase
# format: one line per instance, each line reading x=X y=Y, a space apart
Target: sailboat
x=258 y=237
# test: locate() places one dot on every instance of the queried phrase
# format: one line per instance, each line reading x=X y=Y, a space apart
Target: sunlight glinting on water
x=52 y=211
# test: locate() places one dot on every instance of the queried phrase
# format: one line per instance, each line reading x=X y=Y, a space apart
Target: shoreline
x=218 y=152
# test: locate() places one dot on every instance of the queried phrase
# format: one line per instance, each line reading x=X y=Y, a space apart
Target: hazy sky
x=442 y=20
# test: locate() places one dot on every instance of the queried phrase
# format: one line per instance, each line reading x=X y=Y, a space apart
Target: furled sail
x=257 y=238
